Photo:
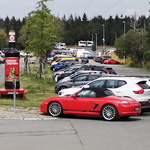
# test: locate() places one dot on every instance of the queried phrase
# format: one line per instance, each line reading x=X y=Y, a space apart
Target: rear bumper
x=145 y=104
x=130 y=110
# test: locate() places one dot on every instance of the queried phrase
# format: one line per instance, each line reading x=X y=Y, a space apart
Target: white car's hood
x=69 y=91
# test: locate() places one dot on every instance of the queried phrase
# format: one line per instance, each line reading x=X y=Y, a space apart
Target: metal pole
x=14 y=93
x=103 y=37
x=96 y=42
x=124 y=37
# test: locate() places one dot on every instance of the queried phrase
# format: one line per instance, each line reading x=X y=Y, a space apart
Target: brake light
x=140 y=91
x=143 y=103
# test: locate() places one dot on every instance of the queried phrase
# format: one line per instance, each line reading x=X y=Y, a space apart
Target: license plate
x=137 y=108
x=12 y=92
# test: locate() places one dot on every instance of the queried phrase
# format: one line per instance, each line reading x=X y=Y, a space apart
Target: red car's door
x=83 y=103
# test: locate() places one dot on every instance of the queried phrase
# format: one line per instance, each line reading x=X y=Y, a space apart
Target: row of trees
x=78 y=28
x=81 y=28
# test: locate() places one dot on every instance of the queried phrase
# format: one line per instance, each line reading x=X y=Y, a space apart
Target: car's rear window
x=144 y=85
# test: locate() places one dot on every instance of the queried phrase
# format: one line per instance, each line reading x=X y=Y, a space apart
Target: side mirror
x=73 y=96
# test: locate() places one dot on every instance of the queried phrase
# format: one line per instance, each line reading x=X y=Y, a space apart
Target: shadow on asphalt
x=131 y=119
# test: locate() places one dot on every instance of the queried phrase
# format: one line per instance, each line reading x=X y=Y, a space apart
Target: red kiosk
x=12 y=69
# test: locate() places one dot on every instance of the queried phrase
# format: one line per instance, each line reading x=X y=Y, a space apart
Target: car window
x=78 y=69
x=86 y=93
x=121 y=83
x=109 y=93
x=111 y=71
x=144 y=85
x=97 y=84
x=111 y=83
x=81 y=78
x=92 y=78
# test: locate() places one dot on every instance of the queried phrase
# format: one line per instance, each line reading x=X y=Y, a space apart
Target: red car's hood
x=55 y=98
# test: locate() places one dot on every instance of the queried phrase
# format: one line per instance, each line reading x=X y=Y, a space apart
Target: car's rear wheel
x=55 y=109
x=109 y=112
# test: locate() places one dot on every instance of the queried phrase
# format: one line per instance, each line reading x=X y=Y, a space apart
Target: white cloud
x=5 y=2
x=137 y=13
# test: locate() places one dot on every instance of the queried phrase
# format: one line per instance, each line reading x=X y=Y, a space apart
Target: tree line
x=81 y=28
x=77 y=28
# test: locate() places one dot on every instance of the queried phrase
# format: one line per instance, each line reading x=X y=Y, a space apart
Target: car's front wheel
x=62 y=87
x=55 y=109
x=109 y=112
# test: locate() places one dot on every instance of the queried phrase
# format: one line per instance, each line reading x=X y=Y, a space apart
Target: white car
x=134 y=87
x=69 y=91
x=2 y=54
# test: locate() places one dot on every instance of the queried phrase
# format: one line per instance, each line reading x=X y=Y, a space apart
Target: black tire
x=109 y=112
x=62 y=87
x=56 y=78
x=55 y=109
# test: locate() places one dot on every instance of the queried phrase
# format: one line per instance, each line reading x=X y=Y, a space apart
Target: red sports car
x=110 y=61
x=92 y=102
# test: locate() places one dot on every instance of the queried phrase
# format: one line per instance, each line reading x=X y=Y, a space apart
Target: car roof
x=86 y=73
x=123 y=78
x=100 y=92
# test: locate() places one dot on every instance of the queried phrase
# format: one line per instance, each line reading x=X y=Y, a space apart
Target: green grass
x=36 y=89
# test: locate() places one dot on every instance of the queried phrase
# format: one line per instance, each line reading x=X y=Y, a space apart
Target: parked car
x=92 y=102
x=2 y=54
x=90 y=55
x=81 y=73
x=76 y=81
x=65 y=70
x=96 y=59
x=101 y=59
x=110 y=61
x=62 y=60
x=133 y=87
x=104 y=69
x=70 y=91
x=64 y=64
x=85 y=60
x=58 y=56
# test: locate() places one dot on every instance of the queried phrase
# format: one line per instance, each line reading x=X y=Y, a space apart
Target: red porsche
x=92 y=102
x=110 y=61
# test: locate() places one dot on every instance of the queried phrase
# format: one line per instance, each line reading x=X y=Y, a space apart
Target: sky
x=106 y=8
